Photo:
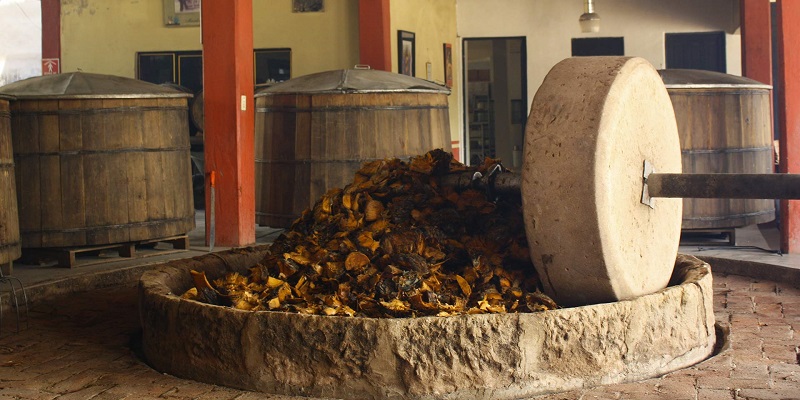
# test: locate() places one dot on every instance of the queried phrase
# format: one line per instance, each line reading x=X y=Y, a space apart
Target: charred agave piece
x=205 y=292
x=538 y=301
x=411 y=262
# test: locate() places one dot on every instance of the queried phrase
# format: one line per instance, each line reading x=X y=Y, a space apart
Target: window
x=702 y=50
x=185 y=68
x=272 y=65
x=606 y=46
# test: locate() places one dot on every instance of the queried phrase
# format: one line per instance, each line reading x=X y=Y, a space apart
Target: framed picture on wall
x=448 y=65
x=308 y=5
x=405 y=53
x=182 y=12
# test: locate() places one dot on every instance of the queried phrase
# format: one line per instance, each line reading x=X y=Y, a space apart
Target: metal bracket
x=476 y=178
x=646 y=199
x=491 y=194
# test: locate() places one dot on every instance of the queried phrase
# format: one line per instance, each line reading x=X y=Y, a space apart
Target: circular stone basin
x=484 y=356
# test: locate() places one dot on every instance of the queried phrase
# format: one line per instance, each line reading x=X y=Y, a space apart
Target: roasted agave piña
x=394 y=243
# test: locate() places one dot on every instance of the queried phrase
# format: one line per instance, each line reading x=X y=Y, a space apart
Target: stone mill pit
x=464 y=357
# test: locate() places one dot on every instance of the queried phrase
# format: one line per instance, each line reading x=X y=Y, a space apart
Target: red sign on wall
x=51 y=66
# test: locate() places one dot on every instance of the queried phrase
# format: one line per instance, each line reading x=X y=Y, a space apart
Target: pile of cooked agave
x=394 y=243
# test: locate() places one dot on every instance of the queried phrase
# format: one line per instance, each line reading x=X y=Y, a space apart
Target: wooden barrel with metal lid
x=9 y=223
x=313 y=132
x=100 y=159
x=724 y=124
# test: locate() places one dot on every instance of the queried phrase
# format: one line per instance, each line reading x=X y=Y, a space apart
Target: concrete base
x=463 y=357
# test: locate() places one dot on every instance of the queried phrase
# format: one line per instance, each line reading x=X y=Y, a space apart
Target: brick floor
x=79 y=347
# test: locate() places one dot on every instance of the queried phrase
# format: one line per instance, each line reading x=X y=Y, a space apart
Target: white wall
x=549 y=26
x=20 y=40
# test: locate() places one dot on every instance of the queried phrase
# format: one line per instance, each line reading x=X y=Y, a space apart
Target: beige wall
x=103 y=36
x=549 y=26
x=320 y=41
x=434 y=24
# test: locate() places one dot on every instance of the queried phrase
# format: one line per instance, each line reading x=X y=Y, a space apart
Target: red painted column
x=757 y=44
x=51 y=31
x=229 y=118
x=756 y=40
x=789 y=103
x=374 y=38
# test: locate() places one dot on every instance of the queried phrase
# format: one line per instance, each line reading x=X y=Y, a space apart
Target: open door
x=496 y=105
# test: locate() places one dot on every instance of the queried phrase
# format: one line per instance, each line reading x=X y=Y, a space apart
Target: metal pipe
x=503 y=183
x=589 y=20
x=708 y=186
x=724 y=186
x=588 y=6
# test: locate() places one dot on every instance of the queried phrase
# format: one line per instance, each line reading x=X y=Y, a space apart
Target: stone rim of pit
x=465 y=357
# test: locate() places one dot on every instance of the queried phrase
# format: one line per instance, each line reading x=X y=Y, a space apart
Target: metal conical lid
x=700 y=79
x=83 y=85
x=353 y=81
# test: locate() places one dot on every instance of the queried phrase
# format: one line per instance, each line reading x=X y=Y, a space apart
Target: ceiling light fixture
x=589 y=20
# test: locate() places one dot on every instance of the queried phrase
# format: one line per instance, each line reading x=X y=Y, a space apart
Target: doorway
x=495 y=99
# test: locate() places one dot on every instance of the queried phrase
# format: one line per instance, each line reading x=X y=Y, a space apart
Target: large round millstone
x=488 y=356
x=593 y=123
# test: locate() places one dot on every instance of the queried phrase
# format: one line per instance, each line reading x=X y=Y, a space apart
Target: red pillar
x=229 y=118
x=789 y=103
x=374 y=38
x=51 y=30
x=756 y=40
x=757 y=44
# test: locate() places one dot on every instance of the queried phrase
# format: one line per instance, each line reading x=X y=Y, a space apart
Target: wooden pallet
x=686 y=240
x=68 y=256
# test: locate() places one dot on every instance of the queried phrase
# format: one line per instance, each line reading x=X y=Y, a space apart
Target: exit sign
x=51 y=66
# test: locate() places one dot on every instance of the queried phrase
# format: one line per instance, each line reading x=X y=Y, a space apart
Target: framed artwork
x=448 y=65
x=405 y=53
x=182 y=12
x=308 y=5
